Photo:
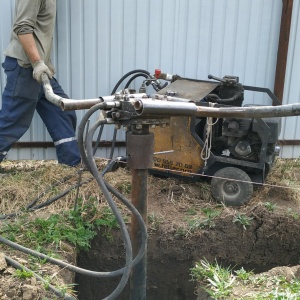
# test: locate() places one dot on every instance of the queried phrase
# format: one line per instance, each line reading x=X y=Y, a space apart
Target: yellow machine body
x=185 y=158
x=180 y=150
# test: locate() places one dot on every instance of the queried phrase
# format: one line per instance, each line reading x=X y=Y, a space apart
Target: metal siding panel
x=155 y=36
x=142 y=42
x=6 y=16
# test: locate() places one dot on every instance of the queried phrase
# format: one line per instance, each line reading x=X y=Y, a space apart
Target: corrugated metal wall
x=99 y=41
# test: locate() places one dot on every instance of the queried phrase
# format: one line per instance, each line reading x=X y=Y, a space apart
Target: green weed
x=201 y=223
x=154 y=221
x=292 y=213
x=243 y=275
x=243 y=220
x=23 y=274
x=219 y=280
x=211 y=213
x=270 y=206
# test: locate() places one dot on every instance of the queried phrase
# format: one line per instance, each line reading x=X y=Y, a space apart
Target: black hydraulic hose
x=60 y=263
x=219 y=100
x=55 y=198
x=134 y=77
x=109 y=199
x=81 y=129
x=140 y=220
x=112 y=150
x=32 y=207
x=131 y=207
x=33 y=202
x=98 y=138
x=126 y=75
x=57 y=292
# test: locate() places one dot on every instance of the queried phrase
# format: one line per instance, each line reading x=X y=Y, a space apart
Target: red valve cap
x=157 y=73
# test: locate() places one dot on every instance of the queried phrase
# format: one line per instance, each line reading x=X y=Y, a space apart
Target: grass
x=223 y=282
x=205 y=219
x=73 y=227
x=53 y=234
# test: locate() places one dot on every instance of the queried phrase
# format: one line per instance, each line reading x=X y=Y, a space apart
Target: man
x=27 y=58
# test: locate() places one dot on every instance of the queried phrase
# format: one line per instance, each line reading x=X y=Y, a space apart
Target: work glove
x=39 y=68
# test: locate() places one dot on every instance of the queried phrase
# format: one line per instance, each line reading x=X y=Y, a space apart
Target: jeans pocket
x=9 y=64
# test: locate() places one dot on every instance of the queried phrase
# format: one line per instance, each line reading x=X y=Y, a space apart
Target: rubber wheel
x=234 y=192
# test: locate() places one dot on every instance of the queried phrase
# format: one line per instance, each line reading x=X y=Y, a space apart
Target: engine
x=245 y=138
x=242 y=138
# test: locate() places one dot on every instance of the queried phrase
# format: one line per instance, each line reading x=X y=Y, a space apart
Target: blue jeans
x=21 y=96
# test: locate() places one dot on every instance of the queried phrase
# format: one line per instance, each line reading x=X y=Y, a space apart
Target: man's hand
x=40 y=68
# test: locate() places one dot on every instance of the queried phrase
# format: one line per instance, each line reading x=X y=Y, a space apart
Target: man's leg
x=61 y=126
x=19 y=101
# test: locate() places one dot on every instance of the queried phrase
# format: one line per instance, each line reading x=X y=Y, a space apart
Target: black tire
x=234 y=192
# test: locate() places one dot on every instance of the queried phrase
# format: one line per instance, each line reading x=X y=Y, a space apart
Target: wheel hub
x=231 y=187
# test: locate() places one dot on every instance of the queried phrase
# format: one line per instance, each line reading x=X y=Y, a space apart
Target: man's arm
x=29 y=46
x=28 y=43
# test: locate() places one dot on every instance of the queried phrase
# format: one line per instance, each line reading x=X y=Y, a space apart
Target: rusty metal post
x=283 y=47
x=140 y=148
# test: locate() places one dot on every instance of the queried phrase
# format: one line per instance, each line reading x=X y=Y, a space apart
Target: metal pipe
x=72 y=104
x=153 y=107
x=53 y=98
x=250 y=112
x=63 y=103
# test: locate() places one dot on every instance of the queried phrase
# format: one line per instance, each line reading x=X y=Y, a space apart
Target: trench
x=270 y=241
x=167 y=275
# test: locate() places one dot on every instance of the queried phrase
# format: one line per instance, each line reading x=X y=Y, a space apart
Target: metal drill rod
x=139 y=200
x=140 y=146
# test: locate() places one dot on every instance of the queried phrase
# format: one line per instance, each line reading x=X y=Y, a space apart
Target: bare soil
x=180 y=232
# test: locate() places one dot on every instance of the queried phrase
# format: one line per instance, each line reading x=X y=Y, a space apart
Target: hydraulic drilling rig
x=187 y=128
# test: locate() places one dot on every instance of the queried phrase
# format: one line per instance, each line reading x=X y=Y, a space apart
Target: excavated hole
x=271 y=240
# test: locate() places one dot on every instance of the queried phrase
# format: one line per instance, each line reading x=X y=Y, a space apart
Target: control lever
x=216 y=78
